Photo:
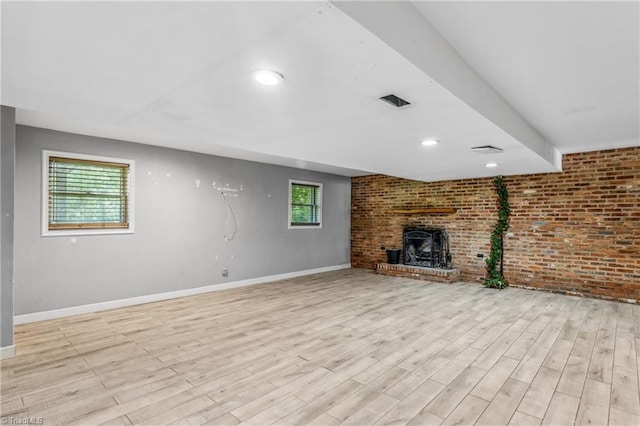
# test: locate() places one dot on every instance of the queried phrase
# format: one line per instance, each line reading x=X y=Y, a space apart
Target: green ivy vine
x=495 y=277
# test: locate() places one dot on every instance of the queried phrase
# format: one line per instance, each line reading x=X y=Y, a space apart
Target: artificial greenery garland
x=495 y=277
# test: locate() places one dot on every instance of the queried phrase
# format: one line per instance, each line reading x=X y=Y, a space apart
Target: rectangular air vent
x=395 y=101
x=487 y=149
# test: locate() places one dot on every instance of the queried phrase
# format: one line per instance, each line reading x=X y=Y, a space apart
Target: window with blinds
x=305 y=204
x=87 y=193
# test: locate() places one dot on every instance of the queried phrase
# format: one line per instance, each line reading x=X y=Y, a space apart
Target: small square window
x=305 y=204
x=85 y=194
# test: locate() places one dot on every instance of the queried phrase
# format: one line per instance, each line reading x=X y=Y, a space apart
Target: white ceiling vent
x=487 y=149
x=395 y=101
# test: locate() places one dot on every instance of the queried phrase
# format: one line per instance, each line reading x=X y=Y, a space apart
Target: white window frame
x=46 y=232
x=319 y=200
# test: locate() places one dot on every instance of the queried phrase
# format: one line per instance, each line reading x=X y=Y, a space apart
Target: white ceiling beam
x=403 y=28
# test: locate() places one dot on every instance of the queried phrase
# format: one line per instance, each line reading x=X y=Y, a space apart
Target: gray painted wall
x=180 y=220
x=7 y=167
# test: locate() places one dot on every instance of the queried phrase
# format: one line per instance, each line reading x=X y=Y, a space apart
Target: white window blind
x=87 y=194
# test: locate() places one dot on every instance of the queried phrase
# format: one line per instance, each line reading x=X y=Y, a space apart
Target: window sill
x=318 y=226
x=82 y=232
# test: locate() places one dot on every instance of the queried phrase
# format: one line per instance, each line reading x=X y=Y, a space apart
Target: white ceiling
x=570 y=68
x=534 y=78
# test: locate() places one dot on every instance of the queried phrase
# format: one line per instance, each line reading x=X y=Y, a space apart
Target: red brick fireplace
x=576 y=232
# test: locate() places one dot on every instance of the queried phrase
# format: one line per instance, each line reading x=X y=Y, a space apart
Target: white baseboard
x=7 y=352
x=103 y=306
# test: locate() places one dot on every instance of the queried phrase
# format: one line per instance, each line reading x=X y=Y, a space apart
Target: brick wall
x=577 y=231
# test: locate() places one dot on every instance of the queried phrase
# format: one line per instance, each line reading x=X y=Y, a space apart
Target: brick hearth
x=418 y=272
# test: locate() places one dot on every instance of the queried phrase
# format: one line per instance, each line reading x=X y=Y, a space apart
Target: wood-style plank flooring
x=347 y=347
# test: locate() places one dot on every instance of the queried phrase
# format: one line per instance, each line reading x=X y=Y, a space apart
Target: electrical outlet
x=225 y=272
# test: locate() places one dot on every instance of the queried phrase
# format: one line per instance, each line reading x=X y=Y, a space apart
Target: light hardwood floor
x=347 y=347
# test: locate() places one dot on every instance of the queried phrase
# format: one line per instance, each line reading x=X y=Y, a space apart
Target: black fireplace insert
x=426 y=247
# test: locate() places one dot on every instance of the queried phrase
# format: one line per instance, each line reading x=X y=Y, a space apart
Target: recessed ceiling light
x=430 y=142
x=267 y=77
x=491 y=165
